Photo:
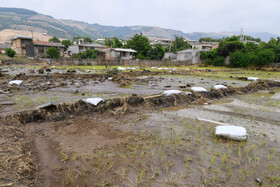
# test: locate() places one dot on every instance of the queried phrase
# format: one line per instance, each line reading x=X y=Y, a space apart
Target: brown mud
x=131 y=141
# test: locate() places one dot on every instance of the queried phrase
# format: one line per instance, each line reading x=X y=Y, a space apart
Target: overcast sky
x=184 y=15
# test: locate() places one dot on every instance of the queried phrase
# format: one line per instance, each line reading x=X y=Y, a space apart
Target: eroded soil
x=165 y=141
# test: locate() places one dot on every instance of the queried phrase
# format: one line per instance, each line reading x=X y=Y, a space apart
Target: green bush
x=89 y=54
x=208 y=61
x=10 y=52
x=219 y=61
x=265 y=56
x=241 y=59
x=52 y=52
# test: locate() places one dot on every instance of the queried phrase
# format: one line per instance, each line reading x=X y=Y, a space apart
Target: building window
x=40 y=50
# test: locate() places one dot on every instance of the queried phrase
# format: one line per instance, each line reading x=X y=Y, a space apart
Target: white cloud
x=185 y=15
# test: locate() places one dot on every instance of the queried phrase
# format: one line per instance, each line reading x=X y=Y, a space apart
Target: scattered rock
x=182 y=86
x=31 y=71
x=41 y=71
x=48 y=70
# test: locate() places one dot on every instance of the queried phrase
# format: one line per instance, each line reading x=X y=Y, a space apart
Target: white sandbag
x=110 y=78
x=218 y=87
x=159 y=68
x=253 y=78
x=198 y=89
x=231 y=132
x=121 y=68
x=171 y=92
x=94 y=101
x=17 y=82
x=188 y=93
x=46 y=105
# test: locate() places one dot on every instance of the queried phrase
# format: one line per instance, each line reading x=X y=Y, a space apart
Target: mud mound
x=118 y=106
x=17 y=162
x=66 y=111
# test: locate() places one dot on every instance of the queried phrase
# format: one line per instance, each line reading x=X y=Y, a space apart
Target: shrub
x=53 y=52
x=219 y=61
x=240 y=59
x=208 y=61
x=265 y=56
x=10 y=52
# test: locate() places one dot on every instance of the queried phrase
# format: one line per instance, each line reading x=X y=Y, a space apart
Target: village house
x=40 y=48
x=80 y=46
x=165 y=42
x=203 y=45
x=117 y=53
x=3 y=47
x=24 y=45
x=123 y=54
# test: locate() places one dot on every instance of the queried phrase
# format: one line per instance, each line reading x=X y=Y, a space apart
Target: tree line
x=243 y=54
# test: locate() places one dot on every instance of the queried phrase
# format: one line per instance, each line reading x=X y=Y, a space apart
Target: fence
x=65 y=61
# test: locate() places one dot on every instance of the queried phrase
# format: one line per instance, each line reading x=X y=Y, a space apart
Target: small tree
x=179 y=44
x=265 y=56
x=117 y=43
x=87 y=40
x=53 y=52
x=156 y=53
x=10 y=52
x=54 y=40
x=140 y=44
x=89 y=54
x=66 y=43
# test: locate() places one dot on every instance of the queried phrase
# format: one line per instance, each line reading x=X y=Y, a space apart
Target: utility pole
x=242 y=37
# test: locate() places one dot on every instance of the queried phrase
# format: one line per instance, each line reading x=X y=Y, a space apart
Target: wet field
x=136 y=141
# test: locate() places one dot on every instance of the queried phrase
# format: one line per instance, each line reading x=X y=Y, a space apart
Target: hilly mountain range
x=16 y=21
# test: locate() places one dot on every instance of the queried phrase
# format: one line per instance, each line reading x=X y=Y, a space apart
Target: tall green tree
x=179 y=44
x=108 y=42
x=157 y=52
x=52 y=52
x=54 y=40
x=140 y=44
x=115 y=43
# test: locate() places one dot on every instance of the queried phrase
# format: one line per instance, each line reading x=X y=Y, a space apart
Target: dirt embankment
x=18 y=162
x=119 y=106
